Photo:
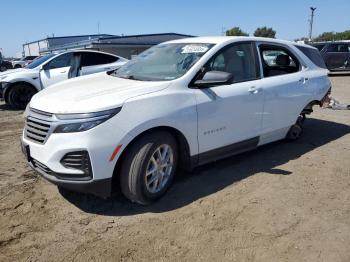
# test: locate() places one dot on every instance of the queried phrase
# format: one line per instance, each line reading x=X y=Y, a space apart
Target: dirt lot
x=282 y=202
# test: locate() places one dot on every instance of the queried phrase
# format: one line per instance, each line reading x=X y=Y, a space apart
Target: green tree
x=236 y=31
x=333 y=36
x=265 y=32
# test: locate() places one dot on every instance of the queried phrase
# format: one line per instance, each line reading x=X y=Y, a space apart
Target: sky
x=29 y=20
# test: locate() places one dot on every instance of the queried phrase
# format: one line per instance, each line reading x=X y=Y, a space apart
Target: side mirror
x=214 y=78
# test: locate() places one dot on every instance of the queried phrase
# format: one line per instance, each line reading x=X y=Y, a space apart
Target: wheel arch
x=184 y=149
x=10 y=86
x=307 y=110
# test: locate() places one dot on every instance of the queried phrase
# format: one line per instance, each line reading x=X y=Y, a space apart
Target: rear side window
x=338 y=48
x=277 y=61
x=237 y=59
x=314 y=55
x=29 y=57
x=91 y=59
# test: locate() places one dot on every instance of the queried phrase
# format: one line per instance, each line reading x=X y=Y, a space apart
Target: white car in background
x=181 y=103
x=19 y=63
x=19 y=85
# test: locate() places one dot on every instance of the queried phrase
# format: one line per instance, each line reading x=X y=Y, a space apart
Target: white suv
x=18 y=86
x=181 y=103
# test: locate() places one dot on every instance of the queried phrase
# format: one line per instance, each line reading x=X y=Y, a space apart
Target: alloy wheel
x=159 y=168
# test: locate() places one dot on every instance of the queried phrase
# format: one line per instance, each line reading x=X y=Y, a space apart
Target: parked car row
x=19 y=85
x=181 y=103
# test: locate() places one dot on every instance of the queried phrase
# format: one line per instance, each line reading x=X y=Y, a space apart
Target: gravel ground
x=282 y=202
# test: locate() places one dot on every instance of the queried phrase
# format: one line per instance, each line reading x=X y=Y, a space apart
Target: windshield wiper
x=132 y=77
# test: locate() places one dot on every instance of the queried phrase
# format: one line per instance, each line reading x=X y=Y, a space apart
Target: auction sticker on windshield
x=194 y=49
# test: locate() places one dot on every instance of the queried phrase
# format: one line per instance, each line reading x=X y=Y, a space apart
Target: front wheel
x=149 y=167
x=19 y=96
x=3 y=68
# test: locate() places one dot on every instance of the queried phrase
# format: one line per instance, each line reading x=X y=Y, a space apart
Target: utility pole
x=223 y=30
x=311 y=22
x=98 y=27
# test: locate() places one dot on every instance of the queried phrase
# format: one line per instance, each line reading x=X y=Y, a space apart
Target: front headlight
x=85 y=121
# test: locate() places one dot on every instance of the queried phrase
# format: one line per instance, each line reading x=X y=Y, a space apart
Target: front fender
x=8 y=85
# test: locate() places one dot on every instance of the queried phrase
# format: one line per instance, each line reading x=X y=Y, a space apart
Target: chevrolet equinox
x=181 y=103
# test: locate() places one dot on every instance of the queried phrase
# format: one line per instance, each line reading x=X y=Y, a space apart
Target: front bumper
x=100 y=143
x=101 y=188
x=3 y=87
x=1 y=90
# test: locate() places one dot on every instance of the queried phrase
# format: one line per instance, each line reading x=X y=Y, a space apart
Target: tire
x=143 y=157
x=294 y=132
x=17 y=66
x=3 y=68
x=19 y=95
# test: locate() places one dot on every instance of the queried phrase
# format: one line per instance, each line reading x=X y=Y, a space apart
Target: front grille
x=36 y=130
x=78 y=160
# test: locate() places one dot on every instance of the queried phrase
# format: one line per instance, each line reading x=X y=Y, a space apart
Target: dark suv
x=336 y=55
x=4 y=65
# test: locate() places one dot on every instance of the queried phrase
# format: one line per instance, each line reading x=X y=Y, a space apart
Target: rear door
x=337 y=56
x=286 y=89
x=228 y=114
x=56 y=70
x=93 y=62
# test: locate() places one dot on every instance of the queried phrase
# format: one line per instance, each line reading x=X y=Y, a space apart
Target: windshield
x=39 y=61
x=163 y=62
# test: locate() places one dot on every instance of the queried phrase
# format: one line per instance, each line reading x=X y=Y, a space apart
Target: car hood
x=19 y=71
x=91 y=93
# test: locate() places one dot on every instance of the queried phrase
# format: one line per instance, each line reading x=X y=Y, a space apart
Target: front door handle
x=62 y=72
x=303 y=80
x=254 y=90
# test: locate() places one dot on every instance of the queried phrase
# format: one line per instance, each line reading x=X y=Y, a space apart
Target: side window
x=237 y=59
x=218 y=63
x=60 y=61
x=29 y=57
x=313 y=54
x=338 y=48
x=91 y=59
x=106 y=59
x=277 y=61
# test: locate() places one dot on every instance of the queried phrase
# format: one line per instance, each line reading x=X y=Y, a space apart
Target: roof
x=72 y=36
x=331 y=42
x=147 y=35
x=225 y=39
x=147 y=39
